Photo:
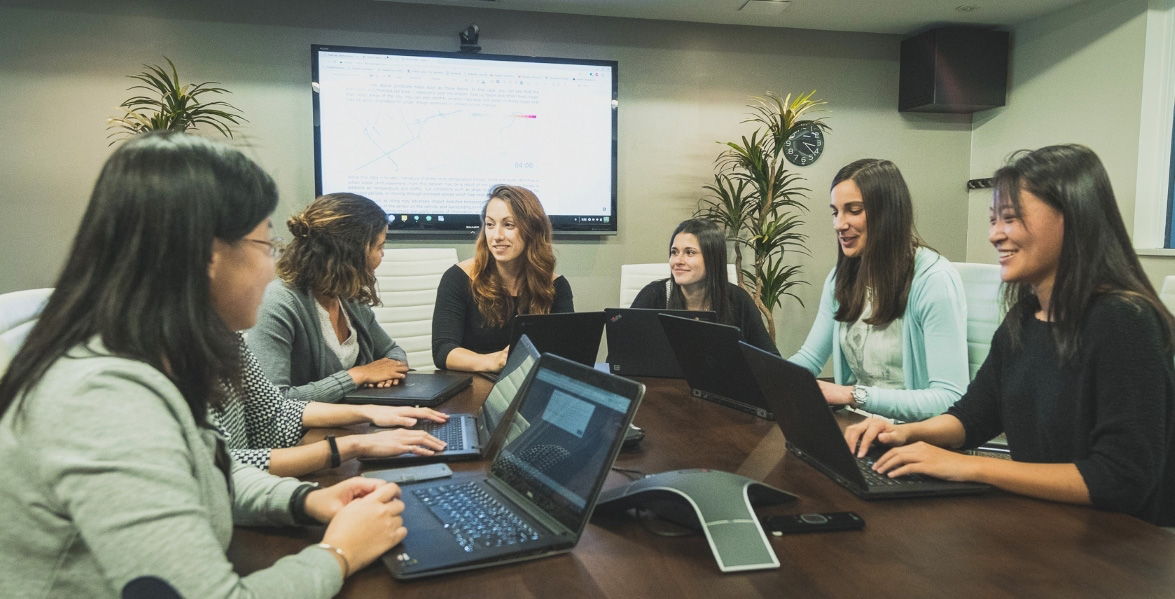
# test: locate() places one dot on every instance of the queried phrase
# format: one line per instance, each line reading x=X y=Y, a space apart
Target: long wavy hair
x=712 y=242
x=1096 y=254
x=137 y=274
x=328 y=255
x=537 y=292
x=886 y=263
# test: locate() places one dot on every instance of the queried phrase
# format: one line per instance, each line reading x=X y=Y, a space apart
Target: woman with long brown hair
x=512 y=272
x=1080 y=375
x=892 y=315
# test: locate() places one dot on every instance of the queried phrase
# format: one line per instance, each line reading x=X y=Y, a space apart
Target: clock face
x=804 y=145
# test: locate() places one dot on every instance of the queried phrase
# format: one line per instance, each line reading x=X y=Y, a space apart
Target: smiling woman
x=1080 y=375
x=697 y=260
x=892 y=315
x=512 y=272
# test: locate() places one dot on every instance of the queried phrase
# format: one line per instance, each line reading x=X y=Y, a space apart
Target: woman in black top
x=1080 y=374
x=512 y=272
x=697 y=259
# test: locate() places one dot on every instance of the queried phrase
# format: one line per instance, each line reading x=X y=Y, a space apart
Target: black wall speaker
x=954 y=69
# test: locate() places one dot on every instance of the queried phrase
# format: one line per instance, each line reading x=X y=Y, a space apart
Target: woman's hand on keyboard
x=860 y=436
x=367 y=526
x=388 y=416
x=388 y=443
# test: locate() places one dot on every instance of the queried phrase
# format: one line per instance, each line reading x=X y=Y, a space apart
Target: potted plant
x=758 y=201
x=168 y=105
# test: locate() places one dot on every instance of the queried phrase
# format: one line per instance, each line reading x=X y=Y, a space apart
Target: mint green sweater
x=934 y=343
x=107 y=478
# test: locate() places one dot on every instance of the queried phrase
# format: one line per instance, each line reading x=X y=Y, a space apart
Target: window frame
x=1154 y=207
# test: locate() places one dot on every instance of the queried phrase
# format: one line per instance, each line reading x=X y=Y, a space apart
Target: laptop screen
x=522 y=359
x=559 y=442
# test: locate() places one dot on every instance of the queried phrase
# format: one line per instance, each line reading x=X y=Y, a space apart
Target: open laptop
x=426 y=389
x=636 y=341
x=470 y=436
x=573 y=335
x=812 y=434
x=712 y=364
x=541 y=488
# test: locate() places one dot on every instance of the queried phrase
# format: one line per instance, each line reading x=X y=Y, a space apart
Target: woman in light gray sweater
x=112 y=474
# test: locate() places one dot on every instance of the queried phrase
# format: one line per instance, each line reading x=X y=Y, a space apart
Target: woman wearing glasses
x=113 y=477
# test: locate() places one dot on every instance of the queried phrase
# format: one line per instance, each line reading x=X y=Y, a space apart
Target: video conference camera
x=469 y=40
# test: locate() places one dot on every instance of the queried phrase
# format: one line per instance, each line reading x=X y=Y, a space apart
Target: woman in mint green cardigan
x=892 y=315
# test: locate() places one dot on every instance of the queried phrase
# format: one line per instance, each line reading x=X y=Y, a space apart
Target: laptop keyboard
x=451 y=432
x=876 y=479
x=476 y=519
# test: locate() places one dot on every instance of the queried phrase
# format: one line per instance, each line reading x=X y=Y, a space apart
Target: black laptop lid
x=709 y=358
x=417 y=388
x=801 y=411
x=636 y=341
x=523 y=357
x=572 y=335
x=564 y=437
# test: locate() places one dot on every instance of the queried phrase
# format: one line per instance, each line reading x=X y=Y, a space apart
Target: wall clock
x=804 y=145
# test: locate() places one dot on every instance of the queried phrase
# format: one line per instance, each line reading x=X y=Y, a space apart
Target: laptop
x=470 y=436
x=573 y=335
x=636 y=341
x=712 y=364
x=812 y=434
x=426 y=389
x=543 y=483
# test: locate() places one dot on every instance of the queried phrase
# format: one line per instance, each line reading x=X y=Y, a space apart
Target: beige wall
x=683 y=87
x=1077 y=76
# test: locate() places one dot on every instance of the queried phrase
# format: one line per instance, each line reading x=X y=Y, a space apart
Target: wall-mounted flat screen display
x=426 y=135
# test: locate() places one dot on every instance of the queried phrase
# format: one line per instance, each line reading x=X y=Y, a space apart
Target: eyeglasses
x=275 y=245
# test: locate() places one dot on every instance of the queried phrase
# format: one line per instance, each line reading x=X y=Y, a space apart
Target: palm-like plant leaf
x=759 y=201
x=172 y=106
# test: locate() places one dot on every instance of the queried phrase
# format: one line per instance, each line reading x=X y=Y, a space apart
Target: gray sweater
x=107 y=478
x=290 y=346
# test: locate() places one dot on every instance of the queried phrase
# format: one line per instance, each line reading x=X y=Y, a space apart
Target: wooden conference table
x=995 y=545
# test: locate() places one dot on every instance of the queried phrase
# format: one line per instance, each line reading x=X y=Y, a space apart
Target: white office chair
x=1168 y=292
x=407 y=282
x=18 y=311
x=981 y=289
x=634 y=277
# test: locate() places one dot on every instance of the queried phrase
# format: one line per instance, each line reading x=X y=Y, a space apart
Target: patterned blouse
x=259 y=421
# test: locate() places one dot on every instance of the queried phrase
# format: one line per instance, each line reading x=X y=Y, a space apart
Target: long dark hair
x=137 y=275
x=886 y=263
x=712 y=242
x=328 y=253
x=537 y=292
x=1096 y=254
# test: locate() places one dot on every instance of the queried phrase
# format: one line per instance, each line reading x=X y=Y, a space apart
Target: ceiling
x=875 y=16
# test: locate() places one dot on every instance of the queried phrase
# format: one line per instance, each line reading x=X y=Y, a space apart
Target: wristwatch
x=860 y=396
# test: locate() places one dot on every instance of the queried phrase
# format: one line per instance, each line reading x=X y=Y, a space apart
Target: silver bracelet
x=342 y=556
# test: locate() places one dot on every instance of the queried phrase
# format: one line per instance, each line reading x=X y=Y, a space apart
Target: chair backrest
x=18 y=311
x=634 y=277
x=981 y=288
x=407 y=282
x=1168 y=292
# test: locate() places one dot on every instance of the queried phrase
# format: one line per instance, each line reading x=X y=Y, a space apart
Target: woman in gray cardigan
x=113 y=475
x=316 y=336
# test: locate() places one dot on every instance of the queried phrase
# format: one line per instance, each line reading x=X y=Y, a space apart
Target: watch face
x=804 y=145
